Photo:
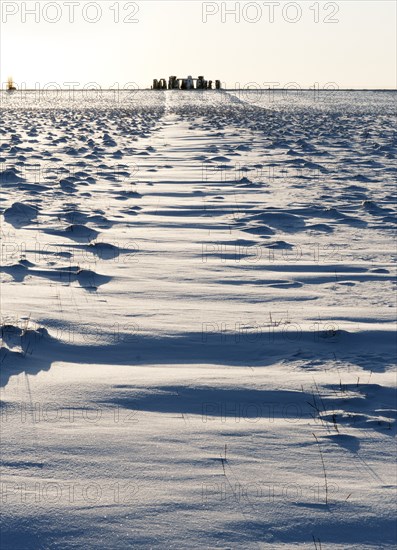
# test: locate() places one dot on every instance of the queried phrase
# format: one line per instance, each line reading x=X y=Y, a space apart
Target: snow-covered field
x=198 y=320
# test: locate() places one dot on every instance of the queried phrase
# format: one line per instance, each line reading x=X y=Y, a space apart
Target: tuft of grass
x=324 y=470
x=224 y=459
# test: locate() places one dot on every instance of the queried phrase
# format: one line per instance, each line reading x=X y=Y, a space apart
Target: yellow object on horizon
x=10 y=84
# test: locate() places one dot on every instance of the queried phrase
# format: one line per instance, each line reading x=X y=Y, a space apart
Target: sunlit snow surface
x=195 y=283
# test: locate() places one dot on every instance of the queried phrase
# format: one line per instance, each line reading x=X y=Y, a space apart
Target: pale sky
x=357 y=50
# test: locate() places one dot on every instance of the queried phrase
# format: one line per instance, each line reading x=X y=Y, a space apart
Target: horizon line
x=204 y=90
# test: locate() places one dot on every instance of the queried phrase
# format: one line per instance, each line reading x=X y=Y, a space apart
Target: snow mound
x=20 y=214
